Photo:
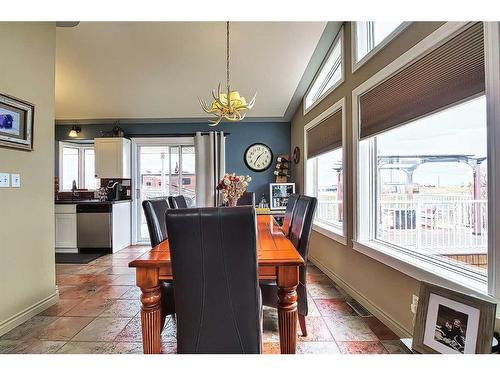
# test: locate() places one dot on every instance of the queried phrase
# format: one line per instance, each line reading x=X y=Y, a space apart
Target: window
x=325 y=181
x=330 y=75
x=76 y=163
x=431 y=188
x=422 y=197
x=324 y=175
x=370 y=36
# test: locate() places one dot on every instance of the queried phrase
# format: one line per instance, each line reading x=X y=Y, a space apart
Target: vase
x=232 y=202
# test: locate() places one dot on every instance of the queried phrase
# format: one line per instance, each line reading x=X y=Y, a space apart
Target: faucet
x=74 y=194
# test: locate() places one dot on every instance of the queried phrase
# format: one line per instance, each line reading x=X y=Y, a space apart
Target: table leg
x=148 y=281
x=288 y=279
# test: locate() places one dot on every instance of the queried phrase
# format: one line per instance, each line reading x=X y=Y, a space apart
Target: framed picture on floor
x=16 y=123
x=449 y=322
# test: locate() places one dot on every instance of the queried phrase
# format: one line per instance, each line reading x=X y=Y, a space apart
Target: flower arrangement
x=233 y=187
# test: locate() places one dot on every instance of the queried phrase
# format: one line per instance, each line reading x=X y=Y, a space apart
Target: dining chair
x=287 y=220
x=177 y=201
x=154 y=211
x=300 y=233
x=247 y=199
x=214 y=266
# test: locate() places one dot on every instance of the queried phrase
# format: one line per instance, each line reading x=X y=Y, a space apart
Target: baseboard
x=19 y=318
x=397 y=328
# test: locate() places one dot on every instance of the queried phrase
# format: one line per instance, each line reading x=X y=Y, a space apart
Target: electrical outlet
x=15 y=180
x=414 y=304
x=4 y=180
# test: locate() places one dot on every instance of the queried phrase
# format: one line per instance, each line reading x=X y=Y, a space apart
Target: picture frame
x=450 y=322
x=16 y=123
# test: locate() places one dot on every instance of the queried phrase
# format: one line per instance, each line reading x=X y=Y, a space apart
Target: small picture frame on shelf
x=450 y=322
x=279 y=193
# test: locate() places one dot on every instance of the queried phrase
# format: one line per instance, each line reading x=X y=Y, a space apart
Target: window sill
x=420 y=269
x=330 y=232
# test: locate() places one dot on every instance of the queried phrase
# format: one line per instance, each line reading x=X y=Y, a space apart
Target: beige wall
x=385 y=291
x=27 y=267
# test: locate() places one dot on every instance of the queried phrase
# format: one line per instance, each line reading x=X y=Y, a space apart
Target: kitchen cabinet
x=112 y=157
x=65 y=223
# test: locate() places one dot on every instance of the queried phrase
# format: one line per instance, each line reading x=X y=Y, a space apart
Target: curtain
x=210 y=167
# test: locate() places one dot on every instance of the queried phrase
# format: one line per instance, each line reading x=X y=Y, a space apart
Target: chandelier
x=227 y=105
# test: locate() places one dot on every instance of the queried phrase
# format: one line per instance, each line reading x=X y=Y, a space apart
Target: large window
x=422 y=197
x=324 y=178
x=76 y=163
x=372 y=35
x=329 y=76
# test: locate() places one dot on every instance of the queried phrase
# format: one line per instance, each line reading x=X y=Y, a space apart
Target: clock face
x=258 y=157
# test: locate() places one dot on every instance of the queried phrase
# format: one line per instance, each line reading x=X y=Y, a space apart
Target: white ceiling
x=136 y=70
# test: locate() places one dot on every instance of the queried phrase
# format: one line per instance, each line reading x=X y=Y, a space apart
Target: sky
x=460 y=130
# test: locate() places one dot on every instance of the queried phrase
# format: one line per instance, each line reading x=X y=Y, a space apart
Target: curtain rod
x=149 y=135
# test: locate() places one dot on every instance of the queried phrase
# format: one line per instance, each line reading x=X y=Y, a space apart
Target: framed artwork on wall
x=449 y=322
x=16 y=123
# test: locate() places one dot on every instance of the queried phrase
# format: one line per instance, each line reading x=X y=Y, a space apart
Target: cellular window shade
x=447 y=75
x=325 y=136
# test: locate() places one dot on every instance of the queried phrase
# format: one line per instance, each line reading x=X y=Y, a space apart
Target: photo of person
x=451 y=328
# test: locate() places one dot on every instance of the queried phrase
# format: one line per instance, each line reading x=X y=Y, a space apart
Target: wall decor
x=450 y=322
x=16 y=123
x=258 y=157
x=296 y=155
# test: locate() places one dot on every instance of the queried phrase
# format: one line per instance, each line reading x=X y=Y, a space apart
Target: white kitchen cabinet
x=121 y=225
x=112 y=157
x=65 y=217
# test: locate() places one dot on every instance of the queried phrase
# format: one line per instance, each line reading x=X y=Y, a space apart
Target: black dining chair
x=177 y=201
x=214 y=267
x=300 y=233
x=247 y=199
x=287 y=220
x=155 y=211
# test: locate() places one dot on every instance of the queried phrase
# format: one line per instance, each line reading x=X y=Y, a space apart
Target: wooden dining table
x=277 y=259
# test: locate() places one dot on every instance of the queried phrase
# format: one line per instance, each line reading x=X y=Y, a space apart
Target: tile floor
x=99 y=312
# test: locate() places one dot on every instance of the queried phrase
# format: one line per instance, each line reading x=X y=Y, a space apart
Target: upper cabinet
x=112 y=157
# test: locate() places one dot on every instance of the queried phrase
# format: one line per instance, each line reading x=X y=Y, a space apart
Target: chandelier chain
x=227 y=54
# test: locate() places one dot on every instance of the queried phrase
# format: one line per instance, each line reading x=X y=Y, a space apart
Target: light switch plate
x=15 y=180
x=4 y=180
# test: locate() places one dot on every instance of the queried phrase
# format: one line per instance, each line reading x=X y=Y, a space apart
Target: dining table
x=277 y=260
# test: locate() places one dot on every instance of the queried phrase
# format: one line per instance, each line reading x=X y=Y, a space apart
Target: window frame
x=81 y=147
x=355 y=63
x=339 y=37
x=332 y=231
x=363 y=239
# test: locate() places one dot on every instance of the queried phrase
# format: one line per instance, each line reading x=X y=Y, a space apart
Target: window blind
x=325 y=136
x=447 y=75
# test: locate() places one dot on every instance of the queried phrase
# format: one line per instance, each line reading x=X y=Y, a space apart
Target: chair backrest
x=155 y=210
x=247 y=199
x=177 y=201
x=214 y=265
x=290 y=206
x=302 y=220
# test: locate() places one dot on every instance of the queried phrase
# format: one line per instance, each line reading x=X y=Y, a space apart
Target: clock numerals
x=258 y=157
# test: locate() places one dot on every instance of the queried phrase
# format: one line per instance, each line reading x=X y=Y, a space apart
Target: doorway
x=161 y=167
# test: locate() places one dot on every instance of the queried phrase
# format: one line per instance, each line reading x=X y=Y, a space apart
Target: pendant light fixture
x=227 y=105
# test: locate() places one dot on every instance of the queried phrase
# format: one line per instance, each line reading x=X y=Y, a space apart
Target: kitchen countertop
x=90 y=201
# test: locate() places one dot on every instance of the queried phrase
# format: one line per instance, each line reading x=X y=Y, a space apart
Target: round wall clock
x=296 y=155
x=258 y=157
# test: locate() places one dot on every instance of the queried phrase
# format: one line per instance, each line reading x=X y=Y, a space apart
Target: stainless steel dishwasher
x=94 y=226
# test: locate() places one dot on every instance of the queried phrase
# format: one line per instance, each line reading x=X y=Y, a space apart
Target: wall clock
x=258 y=157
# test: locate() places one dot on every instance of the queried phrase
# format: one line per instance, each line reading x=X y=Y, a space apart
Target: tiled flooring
x=99 y=312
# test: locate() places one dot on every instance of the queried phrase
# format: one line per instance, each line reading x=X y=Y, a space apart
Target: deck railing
x=447 y=226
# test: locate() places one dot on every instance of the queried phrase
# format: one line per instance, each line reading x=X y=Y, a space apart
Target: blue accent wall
x=274 y=134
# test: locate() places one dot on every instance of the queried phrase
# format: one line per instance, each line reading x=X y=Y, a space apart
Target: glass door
x=161 y=169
